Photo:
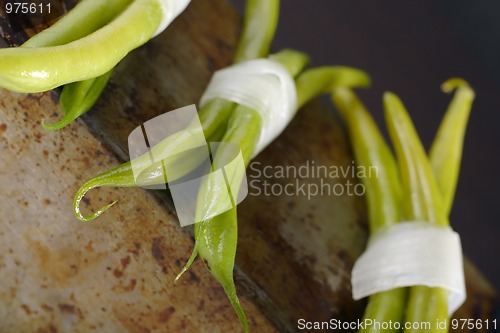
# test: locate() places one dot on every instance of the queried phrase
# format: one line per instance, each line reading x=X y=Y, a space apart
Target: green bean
x=383 y=194
x=213 y=117
x=217 y=238
x=446 y=150
x=421 y=201
x=40 y=69
x=261 y=20
x=85 y=18
x=323 y=80
x=77 y=98
x=445 y=158
x=293 y=60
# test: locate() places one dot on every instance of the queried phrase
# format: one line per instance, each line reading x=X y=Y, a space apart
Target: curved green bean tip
x=80 y=194
x=190 y=261
x=79 y=215
x=454 y=83
x=235 y=302
x=78 y=199
x=67 y=119
x=390 y=97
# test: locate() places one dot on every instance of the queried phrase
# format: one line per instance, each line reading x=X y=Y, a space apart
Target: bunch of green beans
x=222 y=120
x=79 y=52
x=418 y=187
x=216 y=238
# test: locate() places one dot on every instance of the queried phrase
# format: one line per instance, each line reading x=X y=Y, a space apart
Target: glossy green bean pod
x=84 y=19
x=421 y=201
x=216 y=239
x=87 y=17
x=40 y=69
x=213 y=117
x=446 y=151
x=77 y=98
x=383 y=195
x=323 y=80
x=260 y=22
x=370 y=149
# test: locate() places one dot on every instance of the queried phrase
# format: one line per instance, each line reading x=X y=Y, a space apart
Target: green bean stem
x=421 y=201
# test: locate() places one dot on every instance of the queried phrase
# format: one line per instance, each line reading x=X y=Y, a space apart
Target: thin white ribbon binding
x=411 y=254
x=262 y=85
x=171 y=9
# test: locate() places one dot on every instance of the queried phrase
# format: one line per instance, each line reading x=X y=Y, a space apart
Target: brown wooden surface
x=116 y=273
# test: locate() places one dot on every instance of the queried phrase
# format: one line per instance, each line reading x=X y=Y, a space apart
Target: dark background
x=410 y=48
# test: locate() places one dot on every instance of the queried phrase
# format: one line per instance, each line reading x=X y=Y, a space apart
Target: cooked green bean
x=261 y=20
x=85 y=18
x=421 y=202
x=425 y=304
x=77 y=98
x=217 y=238
x=40 y=69
x=446 y=150
x=213 y=117
x=323 y=80
x=383 y=195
